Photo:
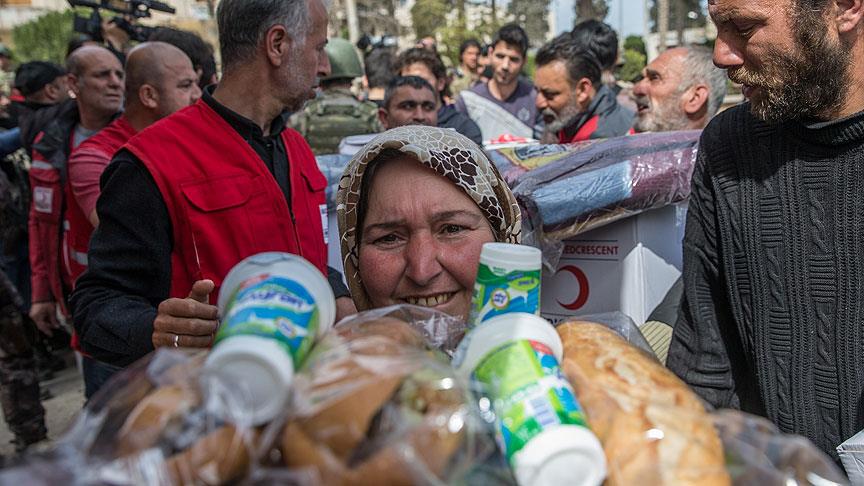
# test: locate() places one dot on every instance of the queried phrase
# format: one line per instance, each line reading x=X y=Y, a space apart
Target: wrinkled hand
x=192 y=319
x=344 y=307
x=44 y=314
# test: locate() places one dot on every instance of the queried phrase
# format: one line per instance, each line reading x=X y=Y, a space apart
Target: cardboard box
x=626 y=266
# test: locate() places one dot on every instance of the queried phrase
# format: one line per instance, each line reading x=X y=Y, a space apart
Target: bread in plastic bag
x=656 y=431
x=377 y=402
x=160 y=421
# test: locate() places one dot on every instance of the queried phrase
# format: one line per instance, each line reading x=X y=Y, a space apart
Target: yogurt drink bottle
x=514 y=359
x=273 y=307
x=508 y=280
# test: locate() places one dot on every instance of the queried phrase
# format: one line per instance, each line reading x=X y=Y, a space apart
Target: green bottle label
x=528 y=392
x=273 y=307
x=498 y=292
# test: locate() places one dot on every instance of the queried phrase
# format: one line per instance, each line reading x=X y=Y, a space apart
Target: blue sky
x=630 y=23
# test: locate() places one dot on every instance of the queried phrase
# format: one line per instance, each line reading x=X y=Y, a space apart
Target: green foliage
x=635 y=43
x=634 y=61
x=533 y=16
x=44 y=38
x=680 y=14
x=428 y=16
x=591 y=9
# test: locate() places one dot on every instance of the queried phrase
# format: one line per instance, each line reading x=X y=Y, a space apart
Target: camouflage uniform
x=335 y=114
x=19 y=381
x=6 y=81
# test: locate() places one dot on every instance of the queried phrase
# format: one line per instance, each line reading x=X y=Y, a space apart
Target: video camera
x=134 y=9
x=368 y=42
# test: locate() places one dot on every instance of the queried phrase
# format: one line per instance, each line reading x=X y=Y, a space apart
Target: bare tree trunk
x=494 y=12
x=353 y=24
x=680 y=20
x=662 y=22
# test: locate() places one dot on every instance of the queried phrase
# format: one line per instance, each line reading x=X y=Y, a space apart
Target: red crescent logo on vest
x=582 y=298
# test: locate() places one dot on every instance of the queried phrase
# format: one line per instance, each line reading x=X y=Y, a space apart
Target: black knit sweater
x=772 y=318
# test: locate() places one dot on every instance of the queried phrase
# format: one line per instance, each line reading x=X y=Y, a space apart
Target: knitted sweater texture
x=772 y=318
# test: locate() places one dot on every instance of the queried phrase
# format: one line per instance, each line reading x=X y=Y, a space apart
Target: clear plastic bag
x=377 y=402
x=160 y=421
x=655 y=429
x=332 y=167
x=570 y=189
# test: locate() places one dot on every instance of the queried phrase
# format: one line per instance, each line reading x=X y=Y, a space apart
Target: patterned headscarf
x=448 y=153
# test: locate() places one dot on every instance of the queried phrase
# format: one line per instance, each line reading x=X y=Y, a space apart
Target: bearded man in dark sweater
x=772 y=318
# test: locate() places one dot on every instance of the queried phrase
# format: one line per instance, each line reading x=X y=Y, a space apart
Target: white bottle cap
x=258 y=369
x=500 y=330
x=566 y=454
x=288 y=266
x=510 y=256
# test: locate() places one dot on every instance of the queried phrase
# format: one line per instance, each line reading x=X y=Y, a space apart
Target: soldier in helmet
x=336 y=113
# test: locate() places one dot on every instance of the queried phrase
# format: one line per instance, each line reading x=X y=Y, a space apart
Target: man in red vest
x=192 y=195
x=575 y=104
x=96 y=79
x=160 y=80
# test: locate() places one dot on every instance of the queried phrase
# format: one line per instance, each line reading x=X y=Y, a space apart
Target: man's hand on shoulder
x=189 y=322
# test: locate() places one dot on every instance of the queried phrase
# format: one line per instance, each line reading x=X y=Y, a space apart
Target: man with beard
x=428 y=65
x=195 y=193
x=504 y=105
x=771 y=319
x=410 y=100
x=574 y=104
x=680 y=90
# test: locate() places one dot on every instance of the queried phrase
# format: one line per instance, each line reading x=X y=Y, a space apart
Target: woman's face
x=421 y=239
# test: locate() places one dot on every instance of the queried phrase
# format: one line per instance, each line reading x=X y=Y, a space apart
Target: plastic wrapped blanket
x=566 y=190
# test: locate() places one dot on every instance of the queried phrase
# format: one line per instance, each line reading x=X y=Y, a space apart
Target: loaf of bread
x=220 y=457
x=654 y=430
x=148 y=420
x=371 y=402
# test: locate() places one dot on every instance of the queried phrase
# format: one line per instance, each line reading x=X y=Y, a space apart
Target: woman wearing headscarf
x=414 y=208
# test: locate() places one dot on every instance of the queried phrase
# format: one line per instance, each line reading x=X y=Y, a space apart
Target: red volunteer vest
x=223 y=202
x=76 y=226
x=44 y=222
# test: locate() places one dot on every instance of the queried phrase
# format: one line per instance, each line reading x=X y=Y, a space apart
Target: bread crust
x=654 y=430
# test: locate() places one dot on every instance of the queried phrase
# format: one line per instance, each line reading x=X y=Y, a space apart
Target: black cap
x=31 y=77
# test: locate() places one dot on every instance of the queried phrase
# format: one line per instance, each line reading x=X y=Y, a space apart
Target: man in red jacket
x=575 y=104
x=197 y=192
x=96 y=78
x=160 y=80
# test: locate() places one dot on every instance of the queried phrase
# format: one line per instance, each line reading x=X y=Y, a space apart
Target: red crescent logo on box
x=582 y=298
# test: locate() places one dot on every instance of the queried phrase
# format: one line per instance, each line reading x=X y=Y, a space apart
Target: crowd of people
x=151 y=174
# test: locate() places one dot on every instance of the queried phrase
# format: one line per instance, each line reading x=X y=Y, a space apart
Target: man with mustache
x=771 y=318
x=680 y=90
x=575 y=105
x=196 y=192
x=410 y=100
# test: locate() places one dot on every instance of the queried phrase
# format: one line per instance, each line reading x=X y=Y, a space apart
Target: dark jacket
x=35 y=117
x=604 y=118
x=450 y=117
